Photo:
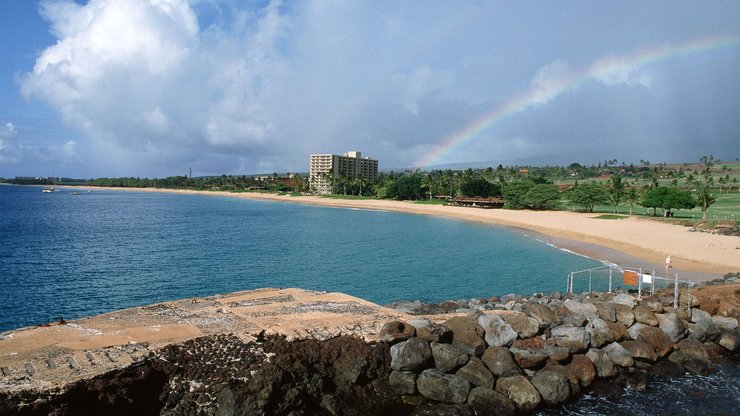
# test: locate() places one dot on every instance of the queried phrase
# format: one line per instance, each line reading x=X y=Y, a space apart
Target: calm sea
x=78 y=255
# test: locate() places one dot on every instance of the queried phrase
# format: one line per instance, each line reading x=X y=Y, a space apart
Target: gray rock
x=477 y=373
x=599 y=332
x=729 y=340
x=431 y=332
x=553 y=387
x=639 y=349
x=624 y=315
x=447 y=388
x=587 y=310
x=672 y=326
x=571 y=333
x=645 y=316
x=704 y=325
x=726 y=323
x=403 y=382
x=519 y=390
x=448 y=357
x=488 y=402
x=500 y=361
x=657 y=340
x=523 y=325
x=626 y=300
x=653 y=303
x=467 y=334
x=606 y=311
x=602 y=361
x=619 y=355
x=544 y=315
x=498 y=333
x=635 y=329
x=396 y=331
x=411 y=355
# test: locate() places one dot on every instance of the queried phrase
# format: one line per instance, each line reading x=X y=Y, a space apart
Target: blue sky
x=154 y=87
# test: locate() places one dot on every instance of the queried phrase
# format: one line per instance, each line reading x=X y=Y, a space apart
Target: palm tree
x=427 y=182
x=616 y=191
x=705 y=199
x=633 y=197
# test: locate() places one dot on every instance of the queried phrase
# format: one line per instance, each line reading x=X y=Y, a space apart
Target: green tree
x=704 y=199
x=542 y=196
x=633 y=197
x=588 y=195
x=668 y=199
x=480 y=187
x=406 y=187
x=616 y=191
x=513 y=193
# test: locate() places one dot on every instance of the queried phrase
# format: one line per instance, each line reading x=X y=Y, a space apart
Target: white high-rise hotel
x=325 y=167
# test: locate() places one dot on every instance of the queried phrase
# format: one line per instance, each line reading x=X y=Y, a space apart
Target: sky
x=151 y=88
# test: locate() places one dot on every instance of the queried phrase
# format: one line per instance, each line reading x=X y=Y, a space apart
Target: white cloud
x=614 y=71
x=9 y=129
x=549 y=81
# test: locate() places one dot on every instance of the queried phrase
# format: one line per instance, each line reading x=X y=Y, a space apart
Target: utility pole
x=190 y=174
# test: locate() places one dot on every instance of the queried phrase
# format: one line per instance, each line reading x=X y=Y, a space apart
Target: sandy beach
x=700 y=255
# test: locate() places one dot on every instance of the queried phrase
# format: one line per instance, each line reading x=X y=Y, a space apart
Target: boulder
x=653 y=303
x=582 y=369
x=574 y=339
x=728 y=308
x=448 y=357
x=431 y=332
x=523 y=325
x=639 y=349
x=619 y=331
x=476 y=373
x=625 y=299
x=635 y=329
x=667 y=370
x=604 y=364
x=693 y=348
x=488 y=402
x=394 y=332
x=708 y=304
x=599 y=332
x=500 y=361
x=411 y=355
x=657 y=340
x=606 y=311
x=554 y=351
x=692 y=364
x=730 y=340
x=519 y=390
x=498 y=333
x=587 y=310
x=619 y=355
x=672 y=326
x=624 y=315
x=701 y=325
x=403 y=382
x=544 y=315
x=441 y=387
x=467 y=335
x=645 y=316
x=553 y=387
x=529 y=353
x=725 y=323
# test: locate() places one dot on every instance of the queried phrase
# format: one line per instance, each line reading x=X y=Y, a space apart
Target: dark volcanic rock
x=396 y=331
x=477 y=373
x=487 y=402
x=438 y=386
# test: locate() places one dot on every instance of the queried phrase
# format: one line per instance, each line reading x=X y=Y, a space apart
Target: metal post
x=639 y=285
x=675 y=292
x=589 y=281
x=688 y=308
x=610 y=279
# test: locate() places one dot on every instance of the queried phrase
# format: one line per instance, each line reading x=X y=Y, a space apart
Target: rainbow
x=539 y=94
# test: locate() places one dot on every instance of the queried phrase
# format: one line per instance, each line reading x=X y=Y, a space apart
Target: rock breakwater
x=507 y=355
x=513 y=354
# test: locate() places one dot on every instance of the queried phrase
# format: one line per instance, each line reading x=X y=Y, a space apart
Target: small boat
x=74 y=193
x=48 y=189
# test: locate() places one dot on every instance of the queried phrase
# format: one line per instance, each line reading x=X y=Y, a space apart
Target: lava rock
x=477 y=373
x=448 y=357
x=500 y=361
x=498 y=333
x=411 y=355
x=488 y=402
x=446 y=388
x=520 y=391
x=553 y=387
x=394 y=332
x=467 y=335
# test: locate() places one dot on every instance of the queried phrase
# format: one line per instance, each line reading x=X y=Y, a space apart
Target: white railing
x=646 y=279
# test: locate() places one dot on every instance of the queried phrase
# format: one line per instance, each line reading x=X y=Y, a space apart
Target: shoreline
x=697 y=256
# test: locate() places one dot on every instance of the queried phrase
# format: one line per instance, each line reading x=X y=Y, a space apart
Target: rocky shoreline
x=508 y=355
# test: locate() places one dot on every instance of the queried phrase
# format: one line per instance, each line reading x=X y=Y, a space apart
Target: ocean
x=79 y=255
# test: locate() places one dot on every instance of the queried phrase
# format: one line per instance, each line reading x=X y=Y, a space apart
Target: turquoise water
x=80 y=255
